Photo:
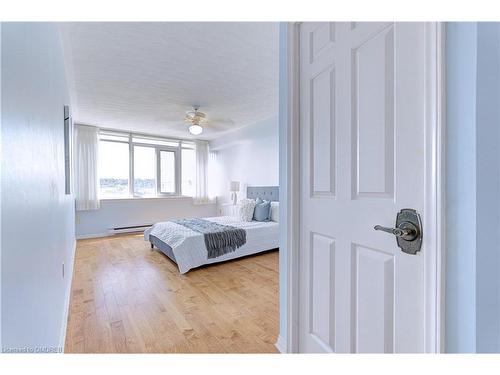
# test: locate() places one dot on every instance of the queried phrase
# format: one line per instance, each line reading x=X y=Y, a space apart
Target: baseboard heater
x=129 y=229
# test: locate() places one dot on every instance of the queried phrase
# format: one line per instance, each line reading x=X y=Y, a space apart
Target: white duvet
x=189 y=248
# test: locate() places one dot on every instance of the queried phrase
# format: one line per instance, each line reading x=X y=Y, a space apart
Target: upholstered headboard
x=269 y=193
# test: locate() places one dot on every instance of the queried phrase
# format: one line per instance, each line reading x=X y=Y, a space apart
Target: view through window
x=113 y=167
x=144 y=171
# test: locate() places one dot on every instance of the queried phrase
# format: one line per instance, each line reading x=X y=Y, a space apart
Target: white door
x=362 y=160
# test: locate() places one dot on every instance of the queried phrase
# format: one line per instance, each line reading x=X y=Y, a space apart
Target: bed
x=186 y=247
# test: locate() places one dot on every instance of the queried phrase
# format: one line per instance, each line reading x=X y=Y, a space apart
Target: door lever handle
x=406 y=230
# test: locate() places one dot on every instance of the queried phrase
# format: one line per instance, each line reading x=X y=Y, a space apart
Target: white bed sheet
x=189 y=248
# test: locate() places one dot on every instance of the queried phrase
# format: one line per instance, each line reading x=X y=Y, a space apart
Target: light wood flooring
x=126 y=298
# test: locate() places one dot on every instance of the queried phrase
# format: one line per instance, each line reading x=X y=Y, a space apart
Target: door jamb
x=434 y=218
x=293 y=188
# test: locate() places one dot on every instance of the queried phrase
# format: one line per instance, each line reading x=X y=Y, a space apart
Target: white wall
x=248 y=155
x=461 y=56
x=37 y=217
x=129 y=212
x=0 y=187
x=488 y=188
x=473 y=187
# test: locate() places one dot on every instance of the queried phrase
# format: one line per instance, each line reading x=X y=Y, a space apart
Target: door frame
x=434 y=194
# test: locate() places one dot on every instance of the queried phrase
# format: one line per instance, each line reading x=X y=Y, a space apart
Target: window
x=167 y=172
x=113 y=169
x=188 y=169
x=144 y=171
x=134 y=165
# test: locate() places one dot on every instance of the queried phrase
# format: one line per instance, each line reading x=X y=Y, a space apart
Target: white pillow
x=245 y=209
x=275 y=211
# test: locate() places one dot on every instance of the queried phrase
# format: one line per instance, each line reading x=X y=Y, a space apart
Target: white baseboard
x=97 y=235
x=281 y=344
x=107 y=234
x=69 y=279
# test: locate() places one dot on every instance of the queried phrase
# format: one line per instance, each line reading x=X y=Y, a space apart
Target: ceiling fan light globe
x=195 y=129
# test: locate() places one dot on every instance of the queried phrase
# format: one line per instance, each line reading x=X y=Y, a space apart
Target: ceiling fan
x=198 y=121
x=195 y=117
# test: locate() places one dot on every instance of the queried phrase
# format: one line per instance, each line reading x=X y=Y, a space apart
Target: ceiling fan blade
x=178 y=121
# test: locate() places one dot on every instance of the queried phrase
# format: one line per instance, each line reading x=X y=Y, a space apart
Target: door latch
x=408 y=231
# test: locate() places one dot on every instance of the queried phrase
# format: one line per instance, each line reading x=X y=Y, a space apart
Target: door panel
x=321 y=38
x=321 y=302
x=323 y=133
x=361 y=142
x=373 y=297
x=372 y=115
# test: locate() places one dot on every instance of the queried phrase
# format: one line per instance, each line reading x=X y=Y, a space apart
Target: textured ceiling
x=144 y=76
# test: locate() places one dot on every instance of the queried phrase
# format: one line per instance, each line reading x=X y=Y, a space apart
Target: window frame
x=158 y=148
x=132 y=170
x=177 y=172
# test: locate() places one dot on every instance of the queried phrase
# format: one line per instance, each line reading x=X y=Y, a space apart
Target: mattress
x=187 y=247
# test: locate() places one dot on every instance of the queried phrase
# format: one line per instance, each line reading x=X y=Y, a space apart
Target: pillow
x=275 y=211
x=245 y=209
x=262 y=209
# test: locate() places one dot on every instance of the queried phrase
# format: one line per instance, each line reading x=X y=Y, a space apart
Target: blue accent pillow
x=262 y=210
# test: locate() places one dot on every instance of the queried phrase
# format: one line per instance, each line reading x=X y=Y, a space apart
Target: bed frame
x=270 y=193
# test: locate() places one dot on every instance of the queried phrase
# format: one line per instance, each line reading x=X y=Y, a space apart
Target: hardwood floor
x=126 y=298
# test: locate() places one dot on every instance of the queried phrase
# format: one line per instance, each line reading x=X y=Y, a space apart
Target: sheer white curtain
x=214 y=179
x=85 y=166
x=201 y=196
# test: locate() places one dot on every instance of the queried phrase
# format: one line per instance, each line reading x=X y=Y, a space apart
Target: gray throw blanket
x=219 y=239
